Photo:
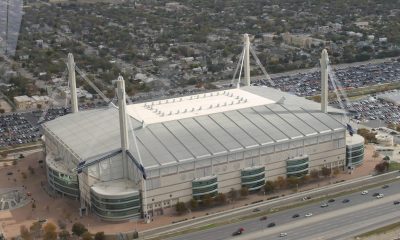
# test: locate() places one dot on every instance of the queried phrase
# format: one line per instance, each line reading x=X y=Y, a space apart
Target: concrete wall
x=164 y=190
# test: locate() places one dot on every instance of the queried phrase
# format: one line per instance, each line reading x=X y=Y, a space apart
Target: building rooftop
x=115 y=188
x=264 y=119
x=22 y=98
x=354 y=140
x=195 y=105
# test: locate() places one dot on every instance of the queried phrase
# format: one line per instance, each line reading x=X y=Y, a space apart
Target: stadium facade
x=141 y=159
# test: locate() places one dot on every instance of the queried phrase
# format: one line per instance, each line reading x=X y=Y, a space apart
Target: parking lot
x=308 y=84
x=375 y=111
x=16 y=129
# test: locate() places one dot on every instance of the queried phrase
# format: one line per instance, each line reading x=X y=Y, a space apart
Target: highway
x=337 y=221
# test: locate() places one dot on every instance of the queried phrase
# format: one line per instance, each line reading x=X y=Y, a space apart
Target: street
x=337 y=221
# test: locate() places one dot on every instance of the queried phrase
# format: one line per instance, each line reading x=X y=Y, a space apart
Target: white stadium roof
x=178 y=138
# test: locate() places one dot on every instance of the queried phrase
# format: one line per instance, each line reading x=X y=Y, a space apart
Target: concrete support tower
x=324 y=61
x=123 y=122
x=246 y=60
x=72 y=83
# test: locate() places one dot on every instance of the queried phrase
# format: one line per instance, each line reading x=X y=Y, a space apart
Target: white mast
x=324 y=61
x=123 y=122
x=72 y=83
x=246 y=59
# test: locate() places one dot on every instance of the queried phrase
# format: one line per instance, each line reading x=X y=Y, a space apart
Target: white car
x=379 y=196
x=283 y=234
x=308 y=214
x=364 y=192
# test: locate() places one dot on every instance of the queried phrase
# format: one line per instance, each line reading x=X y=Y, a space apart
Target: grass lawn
x=393 y=166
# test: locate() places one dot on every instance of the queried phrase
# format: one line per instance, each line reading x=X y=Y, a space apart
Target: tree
x=78 y=229
x=326 y=172
x=25 y=234
x=314 y=174
x=207 y=200
x=220 y=198
x=87 y=236
x=368 y=135
x=304 y=179
x=293 y=181
x=64 y=235
x=50 y=231
x=269 y=186
x=36 y=227
x=336 y=171
x=281 y=182
x=382 y=167
x=244 y=191
x=180 y=208
x=386 y=158
x=233 y=194
x=99 y=236
x=193 y=203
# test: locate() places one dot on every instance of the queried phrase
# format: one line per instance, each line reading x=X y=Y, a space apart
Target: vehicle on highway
x=271 y=225
x=364 y=192
x=385 y=186
x=238 y=232
x=396 y=202
x=296 y=215
x=308 y=215
x=379 y=196
x=375 y=194
x=256 y=210
x=283 y=234
x=263 y=218
x=306 y=198
x=331 y=200
x=345 y=200
x=323 y=205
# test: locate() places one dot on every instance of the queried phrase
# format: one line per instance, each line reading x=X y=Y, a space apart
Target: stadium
x=138 y=160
